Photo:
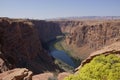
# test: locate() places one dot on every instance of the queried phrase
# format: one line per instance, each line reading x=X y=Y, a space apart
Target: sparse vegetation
x=58 y=46
x=64 y=66
x=100 y=68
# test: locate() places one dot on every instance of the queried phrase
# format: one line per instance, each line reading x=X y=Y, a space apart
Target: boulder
x=16 y=74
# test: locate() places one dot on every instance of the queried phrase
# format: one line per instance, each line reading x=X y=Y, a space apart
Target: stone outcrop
x=16 y=74
x=62 y=75
x=50 y=76
x=43 y=76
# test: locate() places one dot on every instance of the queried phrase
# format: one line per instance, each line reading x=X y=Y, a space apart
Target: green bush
x=100 y=68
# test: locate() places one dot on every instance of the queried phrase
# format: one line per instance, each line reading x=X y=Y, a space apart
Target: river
x=61 y=55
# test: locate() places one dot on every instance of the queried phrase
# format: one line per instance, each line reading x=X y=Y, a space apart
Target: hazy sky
x=42 y=9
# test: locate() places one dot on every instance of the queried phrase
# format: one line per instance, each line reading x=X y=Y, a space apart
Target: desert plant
x=100 y=68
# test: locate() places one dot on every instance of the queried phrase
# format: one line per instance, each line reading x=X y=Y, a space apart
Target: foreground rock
x=43 y=76
x=16 y=74
x=62 y=75
x=50 y=76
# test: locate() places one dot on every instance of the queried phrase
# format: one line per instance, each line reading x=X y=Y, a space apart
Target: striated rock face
x=19 y=38
x=21 y=46
x=90 y=35
x=67 y=26
x=16 y=74
x=47 y=30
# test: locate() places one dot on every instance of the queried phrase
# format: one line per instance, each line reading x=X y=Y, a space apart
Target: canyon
x=24 y=42
x=84 y=37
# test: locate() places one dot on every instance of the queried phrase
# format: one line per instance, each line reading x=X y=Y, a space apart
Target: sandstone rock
x=43 y=76
x=50 y=76
x=16 y=74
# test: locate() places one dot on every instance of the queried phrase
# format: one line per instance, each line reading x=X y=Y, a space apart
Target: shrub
x=100 y=68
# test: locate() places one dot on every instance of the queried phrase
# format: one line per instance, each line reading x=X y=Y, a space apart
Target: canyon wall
x=88 y=36
x=47 y=30
x=21 y=46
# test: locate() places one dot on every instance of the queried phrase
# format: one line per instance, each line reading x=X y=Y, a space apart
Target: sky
x=47 y=9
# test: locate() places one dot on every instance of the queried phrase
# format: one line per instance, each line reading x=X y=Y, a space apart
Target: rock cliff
x=88 y=36
x=47 y=30
x=21 y=46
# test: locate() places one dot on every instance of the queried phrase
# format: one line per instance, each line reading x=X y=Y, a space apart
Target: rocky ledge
x=16 y=74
